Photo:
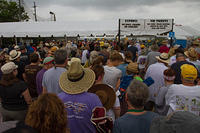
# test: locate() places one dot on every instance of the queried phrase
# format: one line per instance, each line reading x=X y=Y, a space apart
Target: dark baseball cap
x=22 y=47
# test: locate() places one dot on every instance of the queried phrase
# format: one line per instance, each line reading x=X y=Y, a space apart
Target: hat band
x=49 y=62
x=163 y=58
x=15 y=55
x=78 y=79
x=169 y=78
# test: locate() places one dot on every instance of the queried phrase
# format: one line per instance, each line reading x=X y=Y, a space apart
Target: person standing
x=136 y=119
x=151 y=56
x=112 y=74
x=185 y=96
x=48 y=63
x=14 y=94
x=50 y=81
x=78 y=102
x=155 y=71
x=14 y=56
x=30 y=74
x=133 y=50
x=180 y=60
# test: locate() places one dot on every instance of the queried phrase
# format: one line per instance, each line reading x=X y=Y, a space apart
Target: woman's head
x=169 y=75
x=99 y=71
x=47 y=114
x=10 y=72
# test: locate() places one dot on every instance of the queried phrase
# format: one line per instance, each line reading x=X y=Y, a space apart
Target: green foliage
x=9 y=12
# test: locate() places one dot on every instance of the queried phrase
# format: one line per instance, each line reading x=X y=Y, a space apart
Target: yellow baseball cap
x=188 y=72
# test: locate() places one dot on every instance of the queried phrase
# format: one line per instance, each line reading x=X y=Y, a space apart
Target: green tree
x=9 y=12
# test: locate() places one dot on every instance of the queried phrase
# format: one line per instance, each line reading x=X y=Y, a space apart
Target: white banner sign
x=164 y=25
x=158 y=24
x=132 y=24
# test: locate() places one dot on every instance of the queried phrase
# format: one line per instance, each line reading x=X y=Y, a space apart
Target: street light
x=54 y=15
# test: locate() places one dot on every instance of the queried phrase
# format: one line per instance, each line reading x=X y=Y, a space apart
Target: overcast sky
x=185 y=12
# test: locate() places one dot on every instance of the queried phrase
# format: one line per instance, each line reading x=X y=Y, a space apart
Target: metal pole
x=19 y=10
x=35 y=11
x=171 y=41
x=119 y=33
x=54 y=17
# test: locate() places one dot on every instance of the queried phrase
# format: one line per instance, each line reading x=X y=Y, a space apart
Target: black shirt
x=11 y=96
x=20 y=69
x=133 y=50
x=177 y=69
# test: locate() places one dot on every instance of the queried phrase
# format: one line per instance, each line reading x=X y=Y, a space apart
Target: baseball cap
x=188 y=72
x=48 y=60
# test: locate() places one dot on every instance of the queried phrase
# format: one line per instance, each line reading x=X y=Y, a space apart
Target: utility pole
x=20 y=10
x=119 y=33
x=35 y=11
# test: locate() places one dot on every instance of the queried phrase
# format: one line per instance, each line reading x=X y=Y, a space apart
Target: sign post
x=171 y=41
x=119 y=33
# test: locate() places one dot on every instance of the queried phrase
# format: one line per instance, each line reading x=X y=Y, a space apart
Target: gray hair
x=60 y=56
x=137 y=93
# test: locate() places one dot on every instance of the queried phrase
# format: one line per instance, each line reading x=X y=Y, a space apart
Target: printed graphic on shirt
x=76 y=108
x=142 y=61
x=191 y=104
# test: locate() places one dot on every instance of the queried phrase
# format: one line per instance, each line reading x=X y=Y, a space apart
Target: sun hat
x=73 y=60
x=54 y=48
x=105 y=93
x=191 y=54
x=8 y=67
x=189 y=72
x=14 y=55
x=77 y=79
x=48 y=60
x=164 y=57
x=132 y=67
x=17 y=47
x=177 y=122
x=164 y=42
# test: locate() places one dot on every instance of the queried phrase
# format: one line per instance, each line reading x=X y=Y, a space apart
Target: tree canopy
x=9 y=12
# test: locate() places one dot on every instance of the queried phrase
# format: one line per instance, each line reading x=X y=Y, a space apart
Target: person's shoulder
x=152 y=114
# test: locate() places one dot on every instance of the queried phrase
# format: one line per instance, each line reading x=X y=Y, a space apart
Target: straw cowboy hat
x=164 y=57
x=192 y=54
x=105 y=93
x=132 y=67
x=77 y=79
x=164 y=42
x=73 y=60
x=14 y=55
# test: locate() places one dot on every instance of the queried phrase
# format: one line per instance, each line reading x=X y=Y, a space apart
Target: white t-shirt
x=142 y=61
x=84 y=56
x=110 y=112
x=172 y=60
x=112 y=75
x=183 y=98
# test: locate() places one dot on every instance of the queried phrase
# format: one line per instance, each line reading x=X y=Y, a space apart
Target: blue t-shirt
x=51 y=79
x=79 y=111
x=122 y=67
x=129 y=123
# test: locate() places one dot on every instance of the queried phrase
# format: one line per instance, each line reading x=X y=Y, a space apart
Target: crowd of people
x=100 y=87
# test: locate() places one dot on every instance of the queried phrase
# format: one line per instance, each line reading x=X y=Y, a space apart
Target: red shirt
x=164 y=49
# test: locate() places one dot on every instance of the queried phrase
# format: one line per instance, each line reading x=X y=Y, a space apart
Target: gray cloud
x=103 y=4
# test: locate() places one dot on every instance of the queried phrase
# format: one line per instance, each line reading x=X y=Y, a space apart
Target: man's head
x=60 y=57
x=137 y=94
x=34 y=58
x=154 y=47
x=22 y=49
x=188 y=73
x=48 y=62
x=180 y=57
x=115 y=58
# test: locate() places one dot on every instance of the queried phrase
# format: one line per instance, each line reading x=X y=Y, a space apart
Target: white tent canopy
x=60 y=29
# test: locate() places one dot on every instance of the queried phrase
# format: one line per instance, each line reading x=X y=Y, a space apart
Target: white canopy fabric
x=60 y=29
